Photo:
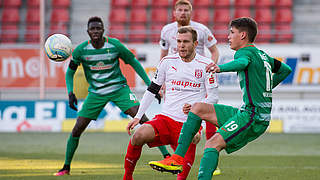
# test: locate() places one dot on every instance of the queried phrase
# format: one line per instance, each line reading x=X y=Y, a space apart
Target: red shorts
x=167 y=131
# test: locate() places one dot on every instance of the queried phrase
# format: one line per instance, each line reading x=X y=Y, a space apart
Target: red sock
x=188 y=161
x=210 y=130
x=132 y=156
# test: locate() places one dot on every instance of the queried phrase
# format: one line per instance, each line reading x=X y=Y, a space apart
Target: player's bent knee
x=143 y=134
x=216 y=141
x=198 y=109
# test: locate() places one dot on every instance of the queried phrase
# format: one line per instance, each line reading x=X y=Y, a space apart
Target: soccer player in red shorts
x=186 y=82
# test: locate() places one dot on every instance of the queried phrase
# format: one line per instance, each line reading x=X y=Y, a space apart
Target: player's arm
x=72 y=68
x=238 y=64
x=163 y=53
x=214 y=53
x=135 y=64
x=280 y=72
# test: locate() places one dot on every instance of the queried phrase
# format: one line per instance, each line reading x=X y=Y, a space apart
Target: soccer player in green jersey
x=258 y=74
x=100 y=60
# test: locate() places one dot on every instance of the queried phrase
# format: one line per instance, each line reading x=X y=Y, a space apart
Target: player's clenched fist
x=132 y=124
x=186 y=108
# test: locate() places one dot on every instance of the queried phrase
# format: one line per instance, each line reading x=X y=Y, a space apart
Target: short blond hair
x=183 y=2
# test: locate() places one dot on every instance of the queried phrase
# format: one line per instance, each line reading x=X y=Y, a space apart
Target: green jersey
x=254 y=69
x=101 y=66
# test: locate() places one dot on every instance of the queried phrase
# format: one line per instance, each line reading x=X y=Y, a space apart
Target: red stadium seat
x=283 y=3
x=283 y=33
x=159 y=3
x=120 y=3
x=138 y=33
x=118 y=31
x=10 y=15
x=59 y=28
x=221 y=3
x=263 y=15
x=201 y=15
x=60 y=15
x=12 y=3
x=221 y=15
x=32 y=34
x=155 y=32
x=159 y=15
x=202 y=3
x=242 y=12
x=118 y=15
x=263 y=3
x=242 y=3
x=33 y=3
x=138 y=15
x=60 y=3
x=33 y=15
x=283 y=15
x=264 y=34
x=9 y=33
x=220 y=32
x=139 y=3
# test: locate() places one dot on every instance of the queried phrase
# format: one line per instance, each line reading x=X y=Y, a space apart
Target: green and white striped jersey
x=101 y=66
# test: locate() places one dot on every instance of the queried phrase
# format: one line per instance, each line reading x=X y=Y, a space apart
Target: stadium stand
x=201 y=3
x=242 y=12
x=61 y=3
x=32 y=34
x=9 y=33
x=11 y=3
x=263 y=3
x=159 y=15
x=126 y=16
x=139 y=3
x=120 y=3
x=160 y=3
x=138 y=15
x=242 y=4
x=201 y=15
x=138 y=33
x=33 y=3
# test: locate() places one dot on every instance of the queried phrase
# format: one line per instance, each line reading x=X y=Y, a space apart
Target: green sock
x=208 y=163
x=71 y=148
x=163 y=150
x=189 y=129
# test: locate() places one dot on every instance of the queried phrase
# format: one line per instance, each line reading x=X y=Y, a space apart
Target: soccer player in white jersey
x=186 y=82
x=182 y=12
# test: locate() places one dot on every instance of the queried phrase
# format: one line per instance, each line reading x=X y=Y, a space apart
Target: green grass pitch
x=36 y=156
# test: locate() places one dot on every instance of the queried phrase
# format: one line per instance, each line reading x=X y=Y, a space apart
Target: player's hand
x=186 y=108
x=212 y=67
x=132 y=124
x=196 y=139
x=158 y=97
x=73 y=101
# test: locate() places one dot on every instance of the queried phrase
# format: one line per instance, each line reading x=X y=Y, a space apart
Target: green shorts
x=238 y=127
x=94 y=103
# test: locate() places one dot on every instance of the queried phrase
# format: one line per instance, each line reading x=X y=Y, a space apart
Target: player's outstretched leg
x=210 y=131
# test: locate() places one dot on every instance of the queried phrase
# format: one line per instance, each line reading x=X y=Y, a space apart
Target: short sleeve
x=164 y=43
x=76 y=56
x=209 y=39
x=160 y=75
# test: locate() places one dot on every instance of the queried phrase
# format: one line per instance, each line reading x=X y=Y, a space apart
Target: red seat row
x=35 y=3
x=203 y=3
x=12 y=15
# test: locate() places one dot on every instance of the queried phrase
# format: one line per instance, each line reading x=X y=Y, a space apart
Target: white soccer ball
x=58 y=47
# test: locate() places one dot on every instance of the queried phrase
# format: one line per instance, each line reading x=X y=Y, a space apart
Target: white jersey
x=185 y=82
x=168 y=40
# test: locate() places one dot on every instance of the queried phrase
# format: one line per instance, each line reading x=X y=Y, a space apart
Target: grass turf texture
x=100 y=156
